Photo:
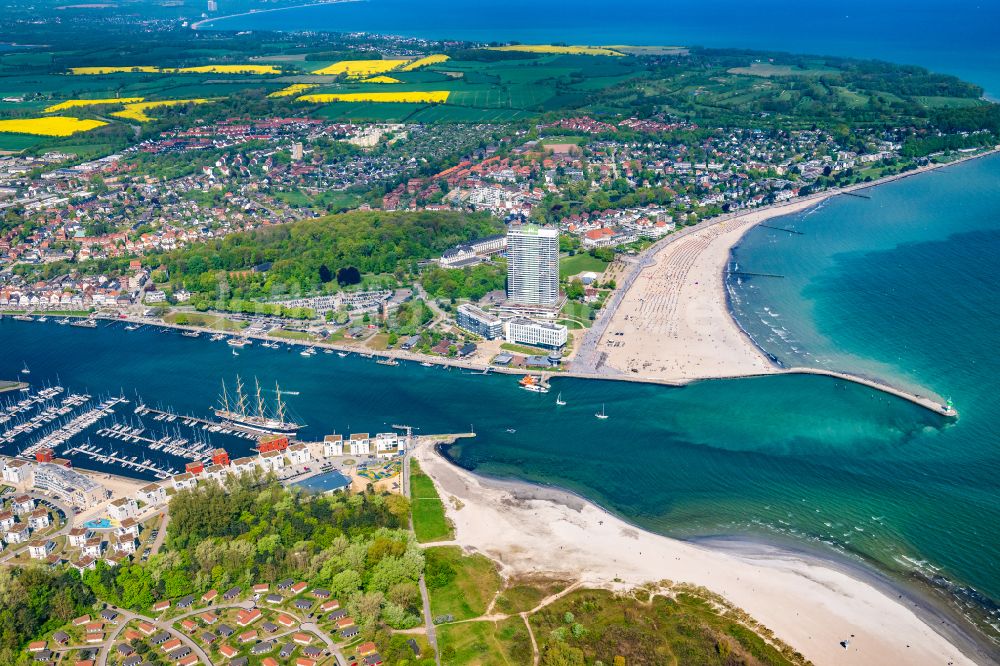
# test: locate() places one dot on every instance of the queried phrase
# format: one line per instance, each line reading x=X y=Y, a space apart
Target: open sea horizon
x=959 y=40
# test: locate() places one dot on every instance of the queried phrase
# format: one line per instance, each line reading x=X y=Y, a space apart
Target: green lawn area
x=204 y=320
x=427 y=509
x=379 y=342
x=578 y=311
x=571 y=324
x=504 y=643
x=580 y=262
x=18 y=142
x=291 y=335
x=294 y=197
x=460 y=585
x=522 y=349
x=682 y=630
x=562 y=139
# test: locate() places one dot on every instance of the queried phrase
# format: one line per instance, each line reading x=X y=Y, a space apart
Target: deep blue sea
x=901 y=286
x=958 y=37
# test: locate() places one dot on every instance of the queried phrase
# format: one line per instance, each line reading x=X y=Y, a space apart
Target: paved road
x=125 y=617
x=161 y=535
x=428 y=621
x=439 y=315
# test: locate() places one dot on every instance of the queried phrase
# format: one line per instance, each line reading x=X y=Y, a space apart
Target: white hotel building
x=532 y=265
x=539 y=334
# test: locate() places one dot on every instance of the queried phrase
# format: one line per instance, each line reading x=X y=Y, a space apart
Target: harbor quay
x=50 y=510
x=566 y=369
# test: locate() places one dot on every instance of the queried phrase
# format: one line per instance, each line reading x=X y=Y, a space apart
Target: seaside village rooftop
x=112 y=511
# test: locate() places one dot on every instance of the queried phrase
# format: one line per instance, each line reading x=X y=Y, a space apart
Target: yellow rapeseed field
x=567 y=50
x=201 y=69
x=293 y=89
x=138 y=111
x=71 y=103
x=114 y=70
x=434 y=96
x=228 y=69
x=423 y=62
x=49 y=126
x=381 y=79
x=361 y=68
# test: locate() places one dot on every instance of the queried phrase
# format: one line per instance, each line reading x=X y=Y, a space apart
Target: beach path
x=812 y=607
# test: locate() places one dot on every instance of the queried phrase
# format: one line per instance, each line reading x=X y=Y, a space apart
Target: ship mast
x=225 y=397
x=260 y=400
x=280 y=408
x=240 y=397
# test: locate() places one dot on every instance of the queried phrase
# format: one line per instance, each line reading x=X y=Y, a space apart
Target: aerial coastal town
x=241 y=176
x=58 y=516
x=536 y=211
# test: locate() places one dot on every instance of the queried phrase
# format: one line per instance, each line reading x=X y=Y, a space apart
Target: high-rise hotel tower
x=532 y=265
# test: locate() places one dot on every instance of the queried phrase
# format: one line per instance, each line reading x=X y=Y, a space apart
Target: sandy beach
x=533 y=530
x=670 y=322
x=673 y=324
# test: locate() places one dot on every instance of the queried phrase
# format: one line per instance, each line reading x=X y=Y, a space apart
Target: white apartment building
x=360 y=444
x=122 y=508
x=16 y=472
x=153 y=493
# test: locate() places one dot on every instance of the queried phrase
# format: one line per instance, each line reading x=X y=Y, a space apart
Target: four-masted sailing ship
x=258 y=417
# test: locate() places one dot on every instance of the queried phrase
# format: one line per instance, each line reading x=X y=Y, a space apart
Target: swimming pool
x=324 y=483
x=102 y=524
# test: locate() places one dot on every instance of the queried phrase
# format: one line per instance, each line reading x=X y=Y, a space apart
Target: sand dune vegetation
x=73 y=103
x=49 y=126
x=565 y=50
x=360 y=68
x=428 y=97
x=138 y=111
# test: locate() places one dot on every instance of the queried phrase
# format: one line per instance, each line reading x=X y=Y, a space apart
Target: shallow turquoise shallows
x=901 y=286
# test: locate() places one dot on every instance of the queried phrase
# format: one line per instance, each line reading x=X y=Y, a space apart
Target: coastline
x=530 y=528
x=197 y=25
x=672 y=321
x=589 y=362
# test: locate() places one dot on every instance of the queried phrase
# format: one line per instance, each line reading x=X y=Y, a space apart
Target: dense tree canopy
x=370 y=242
x=33 y=601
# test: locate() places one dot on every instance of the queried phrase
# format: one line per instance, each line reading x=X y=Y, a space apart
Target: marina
x=676 y=431
x=175 y=445
x=195 y=422
x=96 y=454
x=75 y=426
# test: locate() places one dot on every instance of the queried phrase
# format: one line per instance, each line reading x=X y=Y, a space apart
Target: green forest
x=308 y=256
x=355 y=545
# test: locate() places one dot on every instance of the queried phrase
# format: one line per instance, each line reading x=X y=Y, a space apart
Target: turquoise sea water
x=901 y=286
x=959 y=38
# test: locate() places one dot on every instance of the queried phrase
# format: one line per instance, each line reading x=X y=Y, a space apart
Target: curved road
x=68 y=515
